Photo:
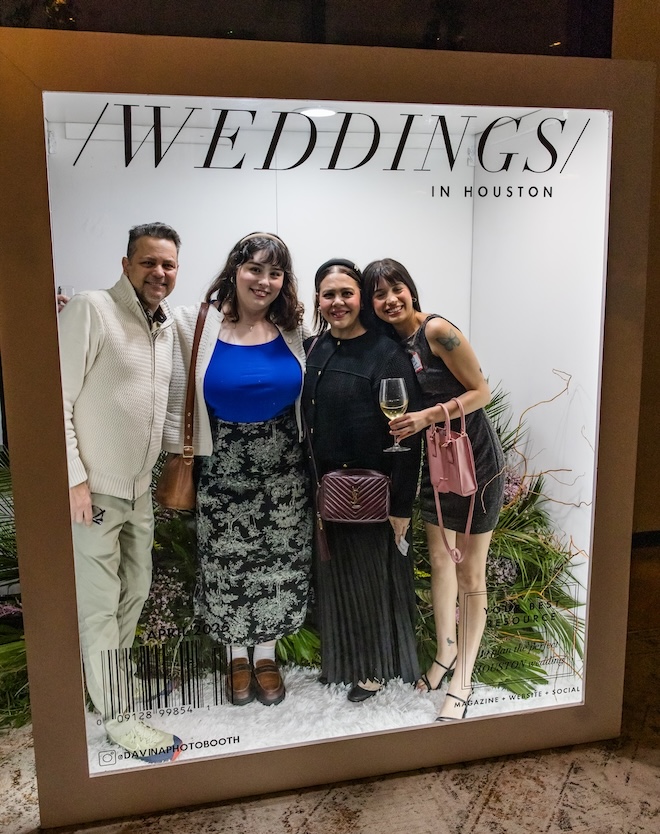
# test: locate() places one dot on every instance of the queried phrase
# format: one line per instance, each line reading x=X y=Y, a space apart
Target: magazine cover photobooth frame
x=33 y=62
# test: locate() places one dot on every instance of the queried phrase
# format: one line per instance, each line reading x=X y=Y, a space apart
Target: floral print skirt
x=254 y=529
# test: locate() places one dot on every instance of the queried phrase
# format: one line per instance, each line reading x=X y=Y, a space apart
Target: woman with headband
x=254 y=520
x=364 y=591
x=447 y=368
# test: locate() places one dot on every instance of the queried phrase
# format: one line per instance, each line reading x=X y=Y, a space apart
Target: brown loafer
x=240 y=682
x=270 y=686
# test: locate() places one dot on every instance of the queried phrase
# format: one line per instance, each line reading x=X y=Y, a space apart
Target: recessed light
x=317 y=112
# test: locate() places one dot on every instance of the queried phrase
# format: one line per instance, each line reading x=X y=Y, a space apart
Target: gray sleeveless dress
x=438 y=384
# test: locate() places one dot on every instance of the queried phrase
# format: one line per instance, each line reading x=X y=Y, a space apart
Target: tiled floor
x=612 y=787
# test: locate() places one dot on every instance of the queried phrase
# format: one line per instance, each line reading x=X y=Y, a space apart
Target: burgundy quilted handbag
x=354 y=496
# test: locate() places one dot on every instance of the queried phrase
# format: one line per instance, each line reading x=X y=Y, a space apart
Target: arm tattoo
x=451 y=341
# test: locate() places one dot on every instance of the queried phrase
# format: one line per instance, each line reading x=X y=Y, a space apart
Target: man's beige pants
x=113 y=577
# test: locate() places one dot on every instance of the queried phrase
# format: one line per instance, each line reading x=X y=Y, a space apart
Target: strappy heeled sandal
x=453 y=717
x=424 y=678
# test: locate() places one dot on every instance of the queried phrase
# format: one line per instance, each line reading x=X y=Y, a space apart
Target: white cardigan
x=115 y=376
x=185 y=319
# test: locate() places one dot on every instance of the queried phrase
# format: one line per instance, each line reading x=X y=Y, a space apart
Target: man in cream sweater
x=116 y=354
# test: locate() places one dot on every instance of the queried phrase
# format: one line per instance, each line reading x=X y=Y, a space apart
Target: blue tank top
x=251 y=383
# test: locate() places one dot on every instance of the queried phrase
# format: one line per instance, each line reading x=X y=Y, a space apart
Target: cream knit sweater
x=115 y=379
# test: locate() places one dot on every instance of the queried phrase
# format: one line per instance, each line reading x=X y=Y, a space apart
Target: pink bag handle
x=446 y=413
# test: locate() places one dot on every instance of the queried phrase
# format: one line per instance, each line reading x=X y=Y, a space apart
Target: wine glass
x=65 y=293
x=393 y=400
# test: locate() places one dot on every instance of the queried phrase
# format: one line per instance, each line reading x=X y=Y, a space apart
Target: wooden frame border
x=33 y=61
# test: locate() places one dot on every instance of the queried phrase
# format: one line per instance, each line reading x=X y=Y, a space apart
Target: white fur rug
x=310 y=712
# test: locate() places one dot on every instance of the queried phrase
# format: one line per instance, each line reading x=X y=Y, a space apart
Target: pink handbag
x=451 y=467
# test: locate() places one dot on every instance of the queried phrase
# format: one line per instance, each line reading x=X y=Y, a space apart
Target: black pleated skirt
x=366 y=606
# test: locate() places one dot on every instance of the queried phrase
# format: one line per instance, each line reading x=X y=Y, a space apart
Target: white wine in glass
x=394 y=403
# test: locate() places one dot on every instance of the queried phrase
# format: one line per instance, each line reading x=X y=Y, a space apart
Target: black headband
x=336 y=262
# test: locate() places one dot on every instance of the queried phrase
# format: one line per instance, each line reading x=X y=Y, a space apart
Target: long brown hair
x=285 y=311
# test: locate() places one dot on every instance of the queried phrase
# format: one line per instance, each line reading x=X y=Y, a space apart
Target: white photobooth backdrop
x=499 y=214
x=501 y=220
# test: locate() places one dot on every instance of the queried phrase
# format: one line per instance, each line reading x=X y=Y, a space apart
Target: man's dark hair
x=161 y=230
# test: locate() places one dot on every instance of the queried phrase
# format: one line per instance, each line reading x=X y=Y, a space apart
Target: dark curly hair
x=285 y=311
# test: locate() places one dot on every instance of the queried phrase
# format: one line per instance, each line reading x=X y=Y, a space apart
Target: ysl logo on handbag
x=355 y=497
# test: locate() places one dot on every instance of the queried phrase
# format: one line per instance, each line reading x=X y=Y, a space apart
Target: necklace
x=242 y=324
x=242 y=332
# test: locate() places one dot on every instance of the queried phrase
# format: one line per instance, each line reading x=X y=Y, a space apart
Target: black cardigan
x=340 y=400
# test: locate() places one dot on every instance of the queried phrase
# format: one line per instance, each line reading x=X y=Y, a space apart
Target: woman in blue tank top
x=254 y=521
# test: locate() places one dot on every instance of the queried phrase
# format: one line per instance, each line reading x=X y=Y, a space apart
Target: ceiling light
x=315 y=111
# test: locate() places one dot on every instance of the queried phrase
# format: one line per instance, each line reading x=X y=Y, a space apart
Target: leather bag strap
x=446 y=413
x=307 y=433
x=189 y=411
x=319 y=530
x=456 y=554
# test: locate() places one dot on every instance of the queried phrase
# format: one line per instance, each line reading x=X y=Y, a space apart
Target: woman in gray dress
x=446 y=367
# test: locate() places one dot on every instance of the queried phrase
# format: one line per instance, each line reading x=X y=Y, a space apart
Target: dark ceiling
x=541 y=27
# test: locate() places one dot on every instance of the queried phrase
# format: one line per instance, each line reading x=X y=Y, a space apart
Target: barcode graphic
x=185 y=674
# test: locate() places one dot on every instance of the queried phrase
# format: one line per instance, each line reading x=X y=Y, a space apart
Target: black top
x=439 y=385
x=340 y=400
